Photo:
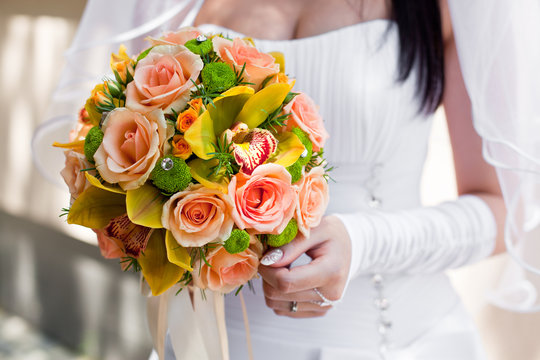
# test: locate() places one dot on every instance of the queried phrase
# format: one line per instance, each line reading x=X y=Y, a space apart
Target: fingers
x=288 y=253
x=298 y=278
x=272 y=293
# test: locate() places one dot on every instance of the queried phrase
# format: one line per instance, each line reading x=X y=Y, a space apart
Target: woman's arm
x=473 y=174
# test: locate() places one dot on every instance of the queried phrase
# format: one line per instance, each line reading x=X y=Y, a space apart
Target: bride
x=369 y=283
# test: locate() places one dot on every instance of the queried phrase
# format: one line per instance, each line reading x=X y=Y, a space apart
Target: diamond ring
x=294 y=306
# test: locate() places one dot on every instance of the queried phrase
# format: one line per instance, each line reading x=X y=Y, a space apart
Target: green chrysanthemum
x=237 y=242
x=218 y=77
x=91 y=142
x=199 y=47
x=171 y=174
x=304 y=138
x=296 y=171
x=286 y=235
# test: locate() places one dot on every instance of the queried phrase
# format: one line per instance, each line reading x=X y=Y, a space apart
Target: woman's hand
x=329 y=247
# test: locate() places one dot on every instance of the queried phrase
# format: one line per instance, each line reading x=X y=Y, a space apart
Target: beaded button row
x=382 y=304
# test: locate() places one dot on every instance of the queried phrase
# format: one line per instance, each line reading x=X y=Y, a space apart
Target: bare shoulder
x=446 y=22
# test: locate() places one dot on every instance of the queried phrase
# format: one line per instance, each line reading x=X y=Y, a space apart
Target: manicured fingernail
x=272 y=257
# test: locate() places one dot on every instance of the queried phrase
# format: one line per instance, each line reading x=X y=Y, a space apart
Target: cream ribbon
x=195 y=321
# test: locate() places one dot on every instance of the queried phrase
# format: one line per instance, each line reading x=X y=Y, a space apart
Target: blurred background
x=58 y=298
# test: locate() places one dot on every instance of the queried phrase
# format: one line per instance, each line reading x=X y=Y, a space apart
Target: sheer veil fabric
x=499 y=54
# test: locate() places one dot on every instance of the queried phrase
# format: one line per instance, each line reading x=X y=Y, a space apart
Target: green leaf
x=144 y=54
x=145 y=206
x=96 y=207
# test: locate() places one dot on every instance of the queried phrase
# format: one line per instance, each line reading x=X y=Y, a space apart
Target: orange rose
x=132 y=144
x=227 y=271
x=72 y=174
x=197 y=105
x=163 y=79
x=180 y=37
x=198 y=216
x=305 y=115
x=312 y=200
x=265 y=200
x=122 y=63
x=238 y=52
x=186 y=119
x=180 y=147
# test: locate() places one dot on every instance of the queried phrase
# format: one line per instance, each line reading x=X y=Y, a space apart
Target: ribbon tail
x=156 y=310
x=184 y=329
x=210 y=313
x=246 y=326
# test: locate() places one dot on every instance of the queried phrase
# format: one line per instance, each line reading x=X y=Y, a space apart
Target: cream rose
x=312 y=200
x=72 y=174
x=163 y=79
x=227 y=271
x=198 y=216
x=238 y=52
x=132 y=144
x=305 y=115
x=265 y=200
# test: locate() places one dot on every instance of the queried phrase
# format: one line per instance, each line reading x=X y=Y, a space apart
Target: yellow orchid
x=158 y=271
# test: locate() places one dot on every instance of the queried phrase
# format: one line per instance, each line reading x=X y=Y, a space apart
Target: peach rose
x=198 y=216
x=180 y=37
x=163 y=79
x=72 y=174
x=238 y=52
x=227 y=271
x=132 y=144
x=305 y=115
x=265 y=200
x=312 y=200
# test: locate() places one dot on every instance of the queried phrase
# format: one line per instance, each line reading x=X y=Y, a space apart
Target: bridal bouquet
x=193 y=158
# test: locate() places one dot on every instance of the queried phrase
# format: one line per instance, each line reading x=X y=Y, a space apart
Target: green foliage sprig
x=240 y=76
x=132 y=263
x=318 y=160
x=201 y=93
x=225 y=158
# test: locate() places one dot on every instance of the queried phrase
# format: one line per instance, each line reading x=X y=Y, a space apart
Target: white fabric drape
x=498 y=44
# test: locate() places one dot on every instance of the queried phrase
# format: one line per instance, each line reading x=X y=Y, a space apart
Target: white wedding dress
x=378 y=144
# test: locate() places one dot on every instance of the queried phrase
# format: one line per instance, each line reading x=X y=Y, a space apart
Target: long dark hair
x=421 y=47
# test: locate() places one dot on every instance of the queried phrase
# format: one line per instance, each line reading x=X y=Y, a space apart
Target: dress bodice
x=378 y=143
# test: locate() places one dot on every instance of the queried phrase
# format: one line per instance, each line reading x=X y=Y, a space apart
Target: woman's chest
x=286 y=19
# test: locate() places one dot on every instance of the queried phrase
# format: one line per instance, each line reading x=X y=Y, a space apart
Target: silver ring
x=325 y=301
x=294 y=306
